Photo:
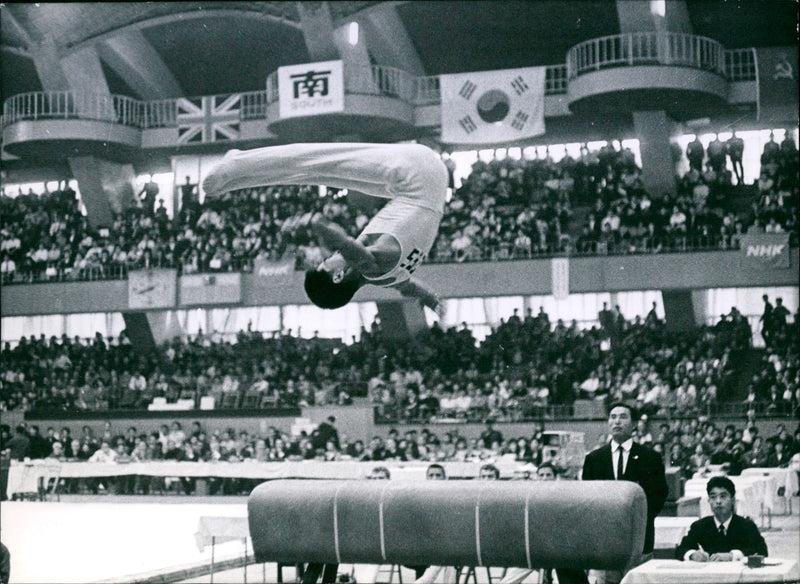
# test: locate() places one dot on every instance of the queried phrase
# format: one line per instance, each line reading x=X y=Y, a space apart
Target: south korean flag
x=492 y=107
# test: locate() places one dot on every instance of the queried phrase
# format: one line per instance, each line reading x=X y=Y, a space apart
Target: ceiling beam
x=17 y=29
x=315 y=19
x=388 y=40
x=182 y=17
x=135 y=60
x=17 y=51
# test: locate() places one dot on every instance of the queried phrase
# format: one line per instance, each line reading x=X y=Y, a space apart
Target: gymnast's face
x=336 y=266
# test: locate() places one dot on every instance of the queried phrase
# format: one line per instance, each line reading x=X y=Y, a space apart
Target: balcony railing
x=162 y=113
x=67 y=105
x=646 y=48
x=740 y=65
x=254 y=105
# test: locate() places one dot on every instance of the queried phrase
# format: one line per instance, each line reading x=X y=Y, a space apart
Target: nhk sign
x=766 y=250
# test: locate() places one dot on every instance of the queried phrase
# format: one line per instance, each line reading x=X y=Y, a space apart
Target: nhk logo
x=764 y=251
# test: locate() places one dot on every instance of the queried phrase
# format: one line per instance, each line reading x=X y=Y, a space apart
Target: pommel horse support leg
x=597 y=524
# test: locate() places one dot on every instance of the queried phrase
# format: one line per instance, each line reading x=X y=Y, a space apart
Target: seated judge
x=724 y=537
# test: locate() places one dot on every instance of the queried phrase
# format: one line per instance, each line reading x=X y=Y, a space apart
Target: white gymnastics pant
x=409 y=171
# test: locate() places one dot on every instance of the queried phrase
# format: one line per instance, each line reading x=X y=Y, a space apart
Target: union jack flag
x=208 y=119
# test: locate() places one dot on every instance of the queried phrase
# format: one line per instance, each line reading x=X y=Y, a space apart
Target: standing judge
x=622 y=459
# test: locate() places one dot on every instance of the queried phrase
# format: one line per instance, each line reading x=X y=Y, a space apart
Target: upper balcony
x=55 y=124
x=683 y=74
x=611 y=74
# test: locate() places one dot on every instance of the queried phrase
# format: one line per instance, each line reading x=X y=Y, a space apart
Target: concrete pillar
x=106 y=187
x=700 y=306
x=47 y=62
x=317 y=24
x=146 y=330
x=139 y=332
x=135 y=60
x=678 y=310
x=352 y=56
x=639 y=16
x=325 y=43
x=677 y=17
x=653 y=128
x=402 y=319
x=386 y=36
x=84 y=72
x=635 y=16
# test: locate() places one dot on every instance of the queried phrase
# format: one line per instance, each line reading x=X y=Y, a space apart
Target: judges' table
x=785 y=479
x=670 y=531
x=24 y=477
x=660 y=571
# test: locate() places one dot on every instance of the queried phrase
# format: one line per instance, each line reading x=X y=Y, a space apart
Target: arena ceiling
x=203 y=48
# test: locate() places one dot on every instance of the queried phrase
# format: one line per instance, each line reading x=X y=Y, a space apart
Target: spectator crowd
x=505 y=208
x=690 y=444
x=521 y=369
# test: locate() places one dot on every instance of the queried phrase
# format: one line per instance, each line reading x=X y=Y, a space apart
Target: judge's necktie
x=620 y=468
x=722 y=530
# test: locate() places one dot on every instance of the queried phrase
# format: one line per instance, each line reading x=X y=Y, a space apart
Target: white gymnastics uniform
x=412 y=176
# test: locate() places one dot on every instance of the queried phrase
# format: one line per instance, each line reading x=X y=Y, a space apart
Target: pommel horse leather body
x=597 y=524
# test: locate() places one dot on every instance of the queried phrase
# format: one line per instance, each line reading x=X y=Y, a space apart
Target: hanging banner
x=211 y=118
x=560 y=277
x=777 y=83
x=273 y=273
x=491 y=107
x=765 y=250
x=200 y=289
x=151 y=289
x=311 y=89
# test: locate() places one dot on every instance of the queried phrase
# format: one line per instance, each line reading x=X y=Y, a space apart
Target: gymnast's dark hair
x=323 y=292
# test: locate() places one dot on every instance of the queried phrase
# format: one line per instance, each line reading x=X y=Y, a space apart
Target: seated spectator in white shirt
x=177 y=435
x=678 y=220
x=230 y=384
x=611 y=220
x=8 y=267
x=138 y=382
x=591 y=384
x=104 y=454
x=773 y=226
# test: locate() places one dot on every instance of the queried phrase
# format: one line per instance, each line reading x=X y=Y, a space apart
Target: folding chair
x=50 y=483
x=26 y=488
x=229 y=401
x=392 y=569
x=251 y=400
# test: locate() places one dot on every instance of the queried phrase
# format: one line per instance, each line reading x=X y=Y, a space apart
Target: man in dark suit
x=324 y=433
x=724 y=537
x=623 y=459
